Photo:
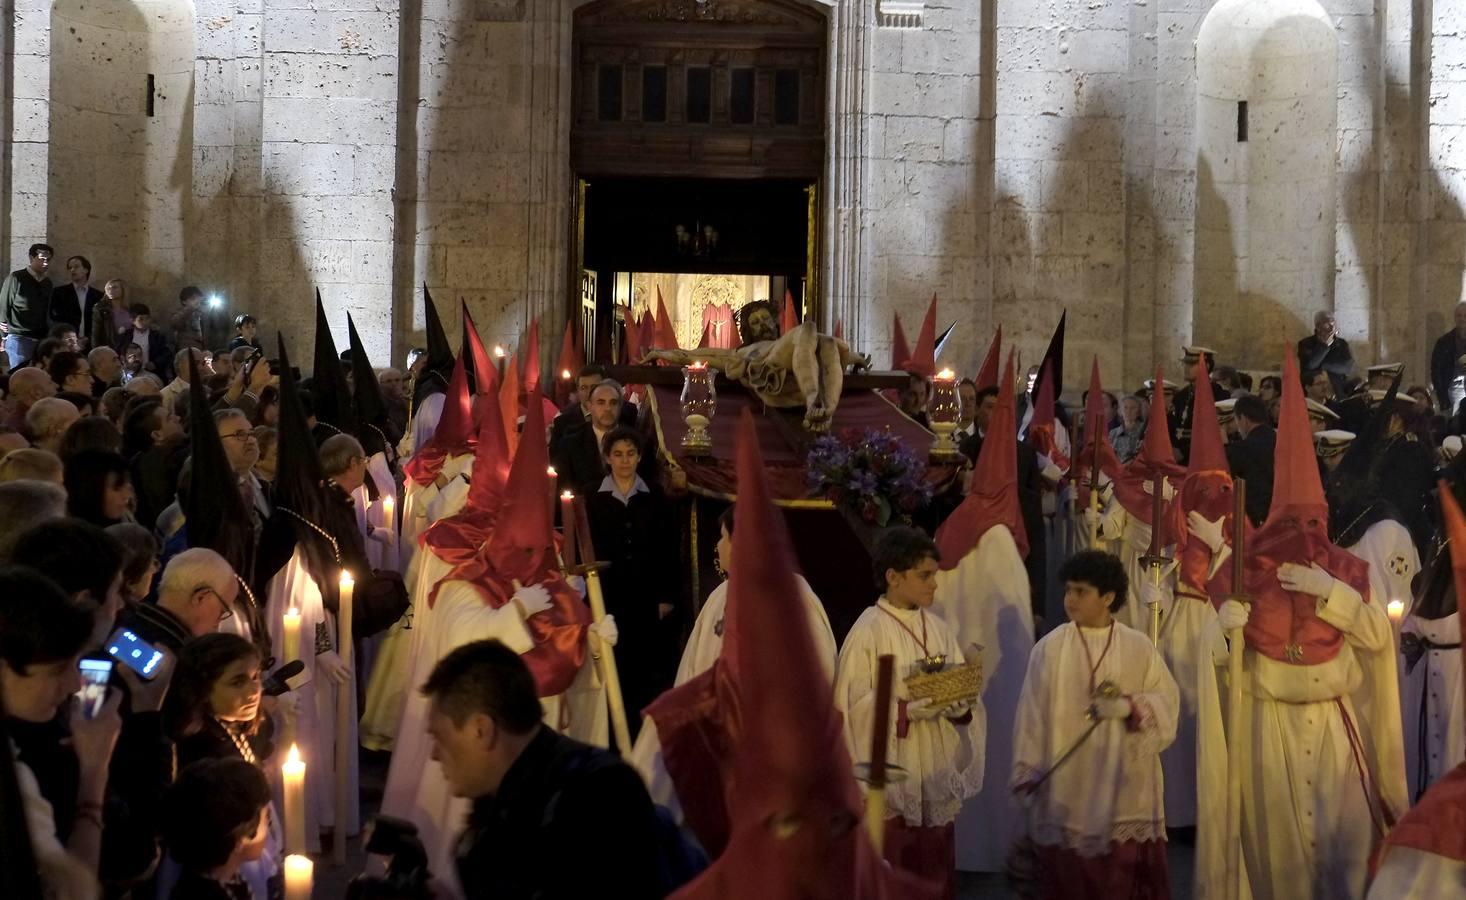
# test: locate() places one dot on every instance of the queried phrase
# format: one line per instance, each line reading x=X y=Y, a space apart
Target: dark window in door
x=699 y=95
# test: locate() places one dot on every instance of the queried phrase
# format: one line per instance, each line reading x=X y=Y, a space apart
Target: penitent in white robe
x=1307 y=829
x=943 y=760
x=315 y=723
x=1410 y=874
x=986 y=601
x=418 y=509
x=1432 y=694
x=703 y=648
x=373 y=515
x=1111 y=788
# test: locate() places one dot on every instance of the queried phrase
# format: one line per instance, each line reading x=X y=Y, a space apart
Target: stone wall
x=1015 y=157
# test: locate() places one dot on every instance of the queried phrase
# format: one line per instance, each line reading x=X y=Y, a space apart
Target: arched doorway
x=121 y=137
x=698 y=145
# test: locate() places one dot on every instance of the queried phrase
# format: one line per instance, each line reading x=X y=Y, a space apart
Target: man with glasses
x=196 y=593
x=25 y=303
x=242 y=448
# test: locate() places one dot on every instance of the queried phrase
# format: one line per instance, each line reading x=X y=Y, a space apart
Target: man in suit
x=577 y=411
x=72 y=302
x=576 y=451
x=1251 y=457
x=1326 y=351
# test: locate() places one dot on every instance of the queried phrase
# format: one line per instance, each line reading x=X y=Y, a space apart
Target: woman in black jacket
x=633 y=529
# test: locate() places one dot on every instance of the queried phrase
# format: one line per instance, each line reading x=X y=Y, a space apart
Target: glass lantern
x=943 y=411
x=699 y=403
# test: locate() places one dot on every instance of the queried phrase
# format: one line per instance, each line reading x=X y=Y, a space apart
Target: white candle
x=293 y=770
x=345 y=715
x=1395 y=609
x=343 y=618
x=292 y=639
x=389 y=513
x=299 y=871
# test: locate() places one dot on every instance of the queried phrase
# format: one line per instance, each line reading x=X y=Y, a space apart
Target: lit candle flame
x=699 y=365
x=498 y=351
x=346 y=579
x=550 y=471
x=565 y=374
x=1396 y=610
x=293 y=762
x=568 y=495
x=292 y=611
x=946 y=375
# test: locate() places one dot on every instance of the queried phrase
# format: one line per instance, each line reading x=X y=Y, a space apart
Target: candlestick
x=1395 y=609
x=499 y=361
x=299 y=872
x=345 y=714
x=567 y=523
x=293 y=770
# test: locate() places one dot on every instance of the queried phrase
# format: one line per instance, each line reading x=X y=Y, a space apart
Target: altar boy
x=940 y=748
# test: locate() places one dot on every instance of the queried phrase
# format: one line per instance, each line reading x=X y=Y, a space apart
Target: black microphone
x=275 y=684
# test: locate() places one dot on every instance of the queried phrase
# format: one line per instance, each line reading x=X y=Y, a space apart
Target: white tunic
x=1307 y=830
x=315 y=725
x=986 y=600
x=1410 y=874
x=943 y=760
x=1435 y=682
x=1111 y=787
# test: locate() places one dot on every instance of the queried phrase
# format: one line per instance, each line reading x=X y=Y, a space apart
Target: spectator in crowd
x=154 y=444
x=1447 y=372
x=1317 y=386
x=86 y=404
x=1127 y=438
x=132 y=362
x=242 y=448
x=47 y=421
x=214 y=708
x=216 y=822
x=394 y=393
x=27 y=387
x=106 y=368
x=145 y=384
x=245 y=328
x=113 y=405
x=139 y=561
x=25 y=302
x=267 y=411
x=187 y=322
x=967 y=409
x=98 y=489
x=74 y=301
x=1251 y=457
x=89 y=433
x=66 y=333
x=180 y=383
x=629 y=522
x=31 y=464
x=269 y=441
x=71 y=372
x=110 y=317
x=151 y=342
x=27 y=503
x=1324 y=351
x=222 y=364
x=46 y=632
x=47 y=348
x=83 y=561
x=533 y=790
x=196 y=593
x=10 y=439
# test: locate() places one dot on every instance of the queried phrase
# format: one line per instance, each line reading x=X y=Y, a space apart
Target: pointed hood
x=1155 y=457
x=331 y=394
x=1052 y=366
x=509 y=405
x=1207 y=489
x=923 y=359
x=993 y=499
x=491 y=458
x=788 y=321
x=707 y=336
x=1094 y=432
x=568 y=362
x=987 y=376
x=665 y=331
x=790 y=759
x=648 y=336
x=1208 y=450
x=632 y=345
x=368 y=403
x=523 y=546
x=434 y=376
x=1297 y=489
x=217 y=517
x=483 y=373
x=531 y=361
x=900 y=350
x=454 y=433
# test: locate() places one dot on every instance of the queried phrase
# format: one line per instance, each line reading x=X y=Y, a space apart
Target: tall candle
x=389 y=512
x=299 y=871
x=294 y=771
x=567 y=522
x=345 y=715
x=292 y=639
x=343 y=618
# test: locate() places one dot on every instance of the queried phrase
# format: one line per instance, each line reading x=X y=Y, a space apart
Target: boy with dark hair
x=188 y=320
x=156 y=356
x=216 y=818
x=1098 y=707
x=940 y=747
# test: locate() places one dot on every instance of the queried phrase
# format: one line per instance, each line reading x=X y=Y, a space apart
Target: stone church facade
x=1170 y=171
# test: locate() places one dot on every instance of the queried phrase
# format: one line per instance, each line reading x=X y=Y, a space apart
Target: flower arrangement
x=869 y=472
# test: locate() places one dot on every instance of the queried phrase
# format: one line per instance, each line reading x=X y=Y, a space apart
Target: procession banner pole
x=1235 y=716
x=1153 y=559
x=875 y=798
x=602 y=652
x=1094 y=491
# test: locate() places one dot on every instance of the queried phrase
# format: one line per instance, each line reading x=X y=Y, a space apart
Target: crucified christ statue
x=766 y=359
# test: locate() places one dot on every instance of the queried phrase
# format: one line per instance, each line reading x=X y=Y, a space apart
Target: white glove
x=1450 y=447
x=958 y=710
x=286 y=709
x=1092 y=519
x=1150 y=592
x=333 y=667
x=1049 y=471
x=382 y=535
x=921 y=710
x=533 y=599
x=1232 y=615
x=1118 y=708
x=1309 y=579
x=606 y=630
x=578 y=583
x=1168 y=490
x=1205 y=530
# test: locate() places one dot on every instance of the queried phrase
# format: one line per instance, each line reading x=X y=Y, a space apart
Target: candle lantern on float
x=699 y=404
x=943 y=410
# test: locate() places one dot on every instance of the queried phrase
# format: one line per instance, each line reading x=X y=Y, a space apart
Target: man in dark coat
x=1251 y=457
x=72 y=302
x=25 y=303
x=1197 y=362
x=1445 y=364
x=575 y=451
x=1325 y=350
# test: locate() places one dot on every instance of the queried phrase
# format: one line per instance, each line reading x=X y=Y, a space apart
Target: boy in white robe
x=941 y=749
x=1097 y=690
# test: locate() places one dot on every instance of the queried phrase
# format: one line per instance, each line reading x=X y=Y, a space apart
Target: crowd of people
x=1087 y=663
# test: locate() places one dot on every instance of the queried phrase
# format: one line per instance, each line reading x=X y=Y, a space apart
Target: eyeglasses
x=224 y=611
x=243 y=434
